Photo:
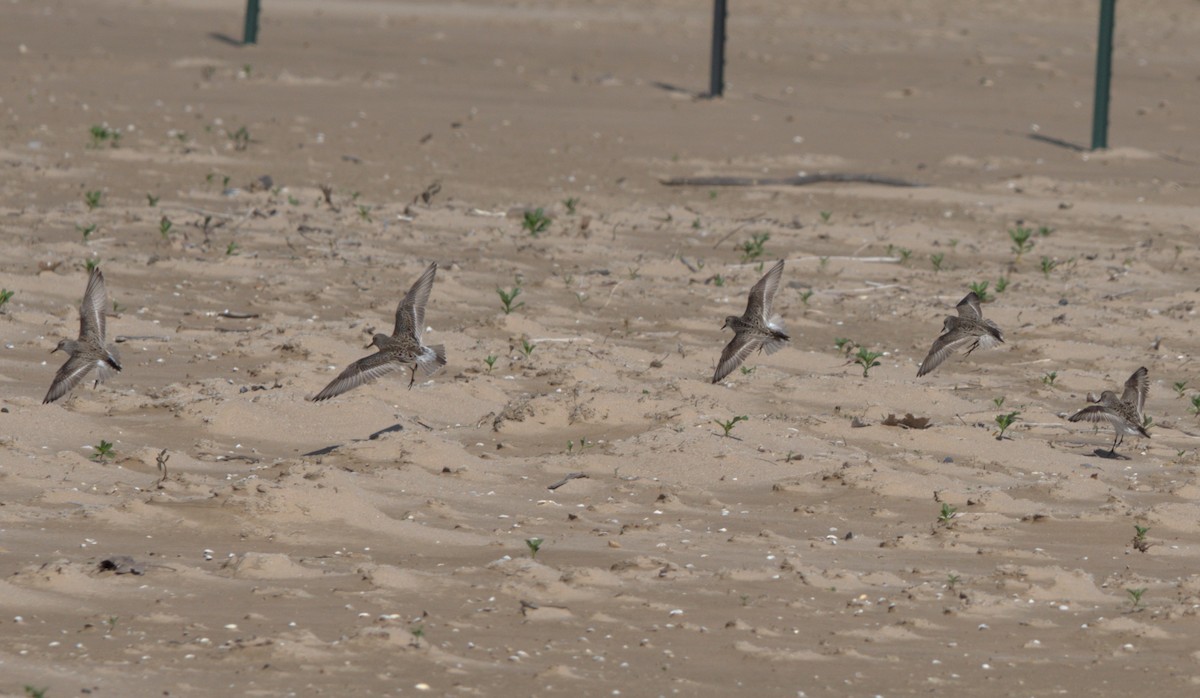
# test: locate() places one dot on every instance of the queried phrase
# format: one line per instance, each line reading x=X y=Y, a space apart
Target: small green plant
x=1139 y=538
x=1001 y=284
x=164 y=227
x=825 y=216
x=490 y=360
x=1050 y=377
x=1196 y=404
x=247 y=69
x=1179 y=387
x=1020 y=239
x=91 y=264
x=241 y=139
x=584 y=445
x=1005 y=421
x=823 y=264
x=748 y=370
x=32 y=692
x=103 y=135
x=151 y=200
x=980 y=289
x=952 y=581
x=718 y=280
x=507 y=298
x=418 y=634
x=1135 y=596
x=805 y=295
x=730 y=424
x=293 y=201
x=843 y=344
x=527 y=347
x=5 y=296
x=231 y=249
x=535 y=222
x=1045 y=230
x=946 y=514
x=103 y=451
x=905 y=253
x=936 y=260
x=752 y=249
x=117 y=308
x=867 y=359
x=1147 y=421
x=364 y=212
x=92 y=199
x=534 y=544
x=85 y=230
x=998 y=401
x=571 y=203
x=1048 y=265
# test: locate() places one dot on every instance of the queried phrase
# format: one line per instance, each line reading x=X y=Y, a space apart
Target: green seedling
x=490 y=360
x=418 y=634
x=752 y=249
x=247 y=69
x=946 y=515
x=867 y=359
x=696 y=224
x=634 y=273
x=1048 y=265
x=1001 y=284
x=1020 y=239
x=825 y=216
x=164 y=227
x=527 y=347
x=103 y=135
x=535 y=544
x=535 y=222
x=904 y=253
x=92 y=199
x=936 y=260
x=748 y=370
x=293 y=201
x=32 y=692
x=1196 y=404
x=843 y=344
x=152 y=200
x=759 y=267
x=5 y=296
x=1179 y=387
x=85 y=231
x=1045 y=230
x=1135 y=596
x=1139 y=538
x=980 y=289
x=91 y=264
x=364 y=212
x=718 y=280
x=117 y=308
x=1147 y=421
x=805 y=295
x=998 y=401
x=952 y=581
x=952 y=243
x=823 y=264
x=507 y=298
x=730 y=424
x=1005 y=421
x=241 y=139
x=1049 y=378
x=571 y=203
x=103 y=451
x=231 y=249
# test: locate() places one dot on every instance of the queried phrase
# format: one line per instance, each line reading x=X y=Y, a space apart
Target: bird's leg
x=1116 y=442
x=974 y=346
x=414 y=377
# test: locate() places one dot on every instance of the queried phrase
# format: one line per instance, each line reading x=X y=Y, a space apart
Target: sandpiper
x=88 y=352
x=968 y=328
x=756 y=329
x=403 y=347
x=1123 y=413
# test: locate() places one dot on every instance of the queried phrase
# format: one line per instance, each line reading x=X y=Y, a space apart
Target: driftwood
x=797 y=181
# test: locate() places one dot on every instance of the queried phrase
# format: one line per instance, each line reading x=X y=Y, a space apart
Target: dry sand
x=289 y=552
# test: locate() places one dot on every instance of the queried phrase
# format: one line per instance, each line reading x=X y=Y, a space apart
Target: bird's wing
x=359 y=373
x=968 y=308
x=91 y=311
x=762 y=295
x=69 y=376
x=740 y=347
x=942 y=348
x=431 y=359
x=410 y=314
x=1136 y=389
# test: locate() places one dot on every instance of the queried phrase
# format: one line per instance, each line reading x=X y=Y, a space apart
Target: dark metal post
x=250 y=35
x=716 y=82
x=1103 y=74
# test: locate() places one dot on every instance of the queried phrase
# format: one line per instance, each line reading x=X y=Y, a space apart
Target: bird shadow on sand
x=1109 y=455
x=375 y=435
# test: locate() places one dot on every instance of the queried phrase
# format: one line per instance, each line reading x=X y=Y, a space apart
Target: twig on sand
x=122 y=338
x=235 y=315
x=796 y=181
x=565 y=480
x=867 y=260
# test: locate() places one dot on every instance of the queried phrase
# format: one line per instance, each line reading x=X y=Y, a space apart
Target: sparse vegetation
x=151 y=200
x=5 y=296
x=32 y=692
x=364 y=212
x=998 y=401
x=571 y=204
x=1135 y=596
x=1045 y=230
x=936 y=260
x=1139 y=538
x=718 y=280
x=91 y=264
x=843 y=344
x=730 y=424
x=164 y=227
x=232 y=249
x=981 y=289
x=240 y=138
x=1196 y=404
x=805 y=295
x=1048 y=265
x=1020 y=239
x=1180 y=387
x=507 y=298
x=1050 y=377
x=825 y=216
x=1001 y=284
x=104 y=136
x=535 y=222
x=867 y=359
x=747 y=370
x=1005 y=421
x=752 y=249
x=527 y=347
x=85 y=230
x=102 y=451
x=534 y=544
x=490 y=360
x=904 y=253
x=946 y=514
x=92 y=199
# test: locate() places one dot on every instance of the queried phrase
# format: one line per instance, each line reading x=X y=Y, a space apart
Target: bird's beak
x=54 y=350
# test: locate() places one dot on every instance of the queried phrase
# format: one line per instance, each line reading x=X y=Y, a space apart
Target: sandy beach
x=259 y=211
